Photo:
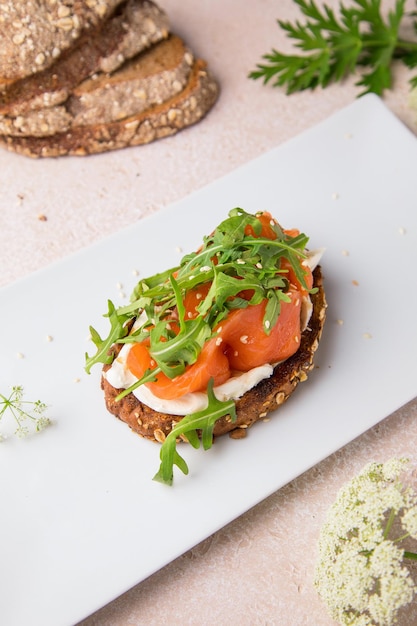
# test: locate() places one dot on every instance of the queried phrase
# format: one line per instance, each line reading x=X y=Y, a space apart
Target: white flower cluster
x=360 y=573
x=27 y=415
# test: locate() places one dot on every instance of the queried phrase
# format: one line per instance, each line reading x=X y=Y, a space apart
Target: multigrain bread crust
x=179 y=111
x=253 y=406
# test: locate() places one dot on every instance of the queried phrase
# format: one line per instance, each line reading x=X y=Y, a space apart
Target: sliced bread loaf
x=160 y=120
x=152 y=77
x=136 y=25
x=34 y=34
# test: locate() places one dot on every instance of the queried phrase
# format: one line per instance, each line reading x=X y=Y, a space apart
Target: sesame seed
x=40 y=59
x=178 y=249
x=402 y=230
x=219 y=341
x=244 y=339
x=355 y=283
x=240 y=262
x=267 y=324
x=49 y=338
x=42 y=217
x=345 y=252
x=335 y=196
x=367 y=336
x=77 y=380
x=339 y=322
x=135 y=273
x=20 y=355
x=348 y=135
x=259 y=266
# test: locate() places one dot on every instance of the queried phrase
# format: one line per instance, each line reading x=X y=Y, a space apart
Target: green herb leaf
x=334 y=46
x=189 y=427
x=230 y=262
x=117 y=331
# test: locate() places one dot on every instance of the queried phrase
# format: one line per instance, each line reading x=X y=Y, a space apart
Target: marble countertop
x=258 y=570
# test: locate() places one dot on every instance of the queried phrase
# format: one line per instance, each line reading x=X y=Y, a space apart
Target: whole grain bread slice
x=179 y=111
x=135 y=26
x=253 y=406
x=150 y=78
x=33 y=34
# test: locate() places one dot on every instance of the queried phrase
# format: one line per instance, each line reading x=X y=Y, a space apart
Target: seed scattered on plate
x=402 y=230
x=119 y=286
x=339 y=322
x=77 y=380
x=178 y=249
x=367 y=336
x=20 y=355
x=348 y=135
x=335 y=195
x=355 y=283
x=49 y=338
x=42 y=217
x=345 y=252
x=135 y=273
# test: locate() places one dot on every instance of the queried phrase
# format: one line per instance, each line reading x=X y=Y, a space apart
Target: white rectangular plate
x=81 y=519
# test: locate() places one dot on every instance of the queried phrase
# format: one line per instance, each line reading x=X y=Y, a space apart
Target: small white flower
x=409 y=522
x=360 y=573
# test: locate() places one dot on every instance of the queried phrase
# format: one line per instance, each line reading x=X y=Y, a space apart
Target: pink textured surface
x=258 y=570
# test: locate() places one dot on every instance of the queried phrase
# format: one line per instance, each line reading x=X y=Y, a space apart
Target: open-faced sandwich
x=213 y=345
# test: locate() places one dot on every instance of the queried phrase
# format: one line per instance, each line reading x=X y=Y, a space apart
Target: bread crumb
x=42 y=217
x=355 y=283
x=367 y=336
x=49 y=338
x=335 y=195
x=402 y=230
x=20 y=355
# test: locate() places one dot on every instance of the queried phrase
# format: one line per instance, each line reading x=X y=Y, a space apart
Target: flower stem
x=410 y=555
x=390 y=522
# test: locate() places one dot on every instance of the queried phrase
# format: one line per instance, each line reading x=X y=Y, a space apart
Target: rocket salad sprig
x=238 y=265
x=231 y=262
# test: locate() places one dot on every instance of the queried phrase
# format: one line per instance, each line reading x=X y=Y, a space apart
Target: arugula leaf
x=334 y=46
x=230 y=261
x=189 y=427
x=117 y=331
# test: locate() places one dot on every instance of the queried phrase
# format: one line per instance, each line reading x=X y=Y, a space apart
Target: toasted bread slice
x=136 y=25
x=160 y=120
x=253 y=406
